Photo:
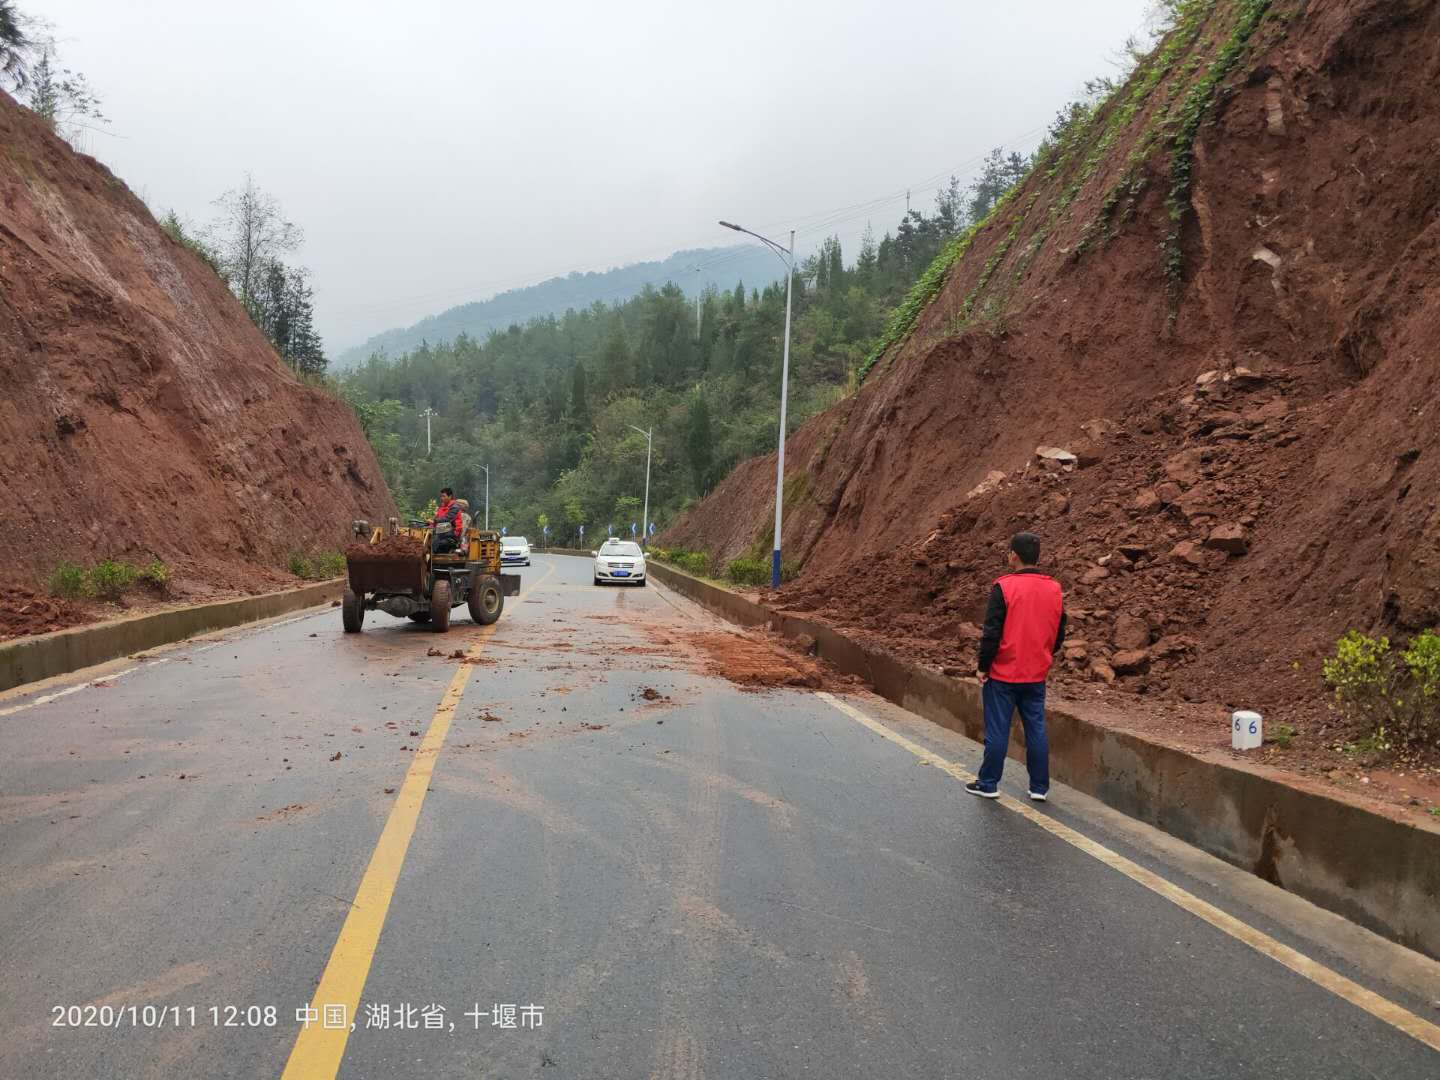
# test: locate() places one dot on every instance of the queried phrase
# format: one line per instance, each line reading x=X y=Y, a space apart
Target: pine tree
x=700 y=442
x=579 y=402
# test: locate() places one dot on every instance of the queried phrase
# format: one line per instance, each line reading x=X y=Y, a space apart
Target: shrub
x=1396 y=697
x=299 y=565
x=1418 y=710
x=694 y=562
x=328 y=564
x=69 y=581
x=156 y=576
x=110 y=579
x=748 y=571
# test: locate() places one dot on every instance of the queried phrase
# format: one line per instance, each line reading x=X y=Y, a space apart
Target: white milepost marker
x=1246 y=730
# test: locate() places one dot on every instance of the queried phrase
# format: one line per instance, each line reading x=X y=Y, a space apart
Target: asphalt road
x=714 y=883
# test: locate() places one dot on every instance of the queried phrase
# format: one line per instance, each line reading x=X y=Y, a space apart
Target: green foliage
x=745 y=571
x=318 y=566
x=69 y=581
x=1395 y=695
x=156 y=575
x=903 y=318
x=1280 y=734
x=175 y=227
x=1192 y=114
x=107 y=580
x=110 y=579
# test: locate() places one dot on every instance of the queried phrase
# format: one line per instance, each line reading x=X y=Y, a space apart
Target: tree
x=997 y=176
x=700 y=442
x=61 y=97
x=579 y=399
x=250 y=233
x=16 y=46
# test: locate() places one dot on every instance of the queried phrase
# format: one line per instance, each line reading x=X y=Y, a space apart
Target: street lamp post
x=487 y=496
x=787 y=256
x=646 y=515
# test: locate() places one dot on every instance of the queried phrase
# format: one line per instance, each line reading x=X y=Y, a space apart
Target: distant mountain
x=721 y=267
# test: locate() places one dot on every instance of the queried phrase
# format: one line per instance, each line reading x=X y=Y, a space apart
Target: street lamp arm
x=786 y=255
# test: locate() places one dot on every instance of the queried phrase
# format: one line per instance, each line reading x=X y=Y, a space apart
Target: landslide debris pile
x=1195 y=350
x=142 y=415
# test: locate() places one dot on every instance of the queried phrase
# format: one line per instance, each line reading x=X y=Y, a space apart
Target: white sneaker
x=1039 y=796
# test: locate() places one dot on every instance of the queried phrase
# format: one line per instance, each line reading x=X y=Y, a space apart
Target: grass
x=109 y=579
x=1280 y=734
x=319 y=566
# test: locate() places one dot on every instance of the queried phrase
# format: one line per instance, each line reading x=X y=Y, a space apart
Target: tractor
x=413 y=571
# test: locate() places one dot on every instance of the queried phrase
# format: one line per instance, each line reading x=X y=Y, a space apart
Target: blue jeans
x=1002 y=699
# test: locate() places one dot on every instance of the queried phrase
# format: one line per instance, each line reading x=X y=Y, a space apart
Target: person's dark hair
x=448 y=491
x=1027 y=546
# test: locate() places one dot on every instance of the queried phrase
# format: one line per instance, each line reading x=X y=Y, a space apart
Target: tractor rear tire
x=440 y=605
x=352 y=612
x=487 y=601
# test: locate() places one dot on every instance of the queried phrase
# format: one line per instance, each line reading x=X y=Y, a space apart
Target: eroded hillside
x=142 y=415
x=1220 y=296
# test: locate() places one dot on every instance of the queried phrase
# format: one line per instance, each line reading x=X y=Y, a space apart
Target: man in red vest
x=1024 y=629
x=448 y=513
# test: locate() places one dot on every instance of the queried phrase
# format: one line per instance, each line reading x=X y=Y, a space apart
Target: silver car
x=514 y=551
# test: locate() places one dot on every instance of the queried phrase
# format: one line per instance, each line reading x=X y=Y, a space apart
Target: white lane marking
x=1367 y=1000
x=45 y=699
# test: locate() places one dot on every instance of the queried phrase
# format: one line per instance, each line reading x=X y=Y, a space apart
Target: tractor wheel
x=419 y=616
x=352 y=612
x=440 y=605
x=486 y=601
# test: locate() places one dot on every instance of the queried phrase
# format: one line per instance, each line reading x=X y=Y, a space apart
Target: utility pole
x=646 y=514
x=487 y=496
x=428 y=413
x=698 y=290
x=787 y=256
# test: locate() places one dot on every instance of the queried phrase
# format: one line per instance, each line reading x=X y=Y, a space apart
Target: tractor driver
x=448 y=512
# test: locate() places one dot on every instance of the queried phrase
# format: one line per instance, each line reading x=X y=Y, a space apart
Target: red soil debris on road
x=753 y=661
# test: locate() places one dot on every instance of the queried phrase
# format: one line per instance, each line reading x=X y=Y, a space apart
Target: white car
x=514 y=550
x=620 y=561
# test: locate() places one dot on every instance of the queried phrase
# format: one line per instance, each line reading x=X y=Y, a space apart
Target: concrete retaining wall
x=46 y=655
x=1377 y=871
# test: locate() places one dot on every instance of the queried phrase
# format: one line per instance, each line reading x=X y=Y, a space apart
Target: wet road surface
x=580 y=855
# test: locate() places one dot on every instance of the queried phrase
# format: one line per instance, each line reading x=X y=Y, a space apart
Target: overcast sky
x=442 y=150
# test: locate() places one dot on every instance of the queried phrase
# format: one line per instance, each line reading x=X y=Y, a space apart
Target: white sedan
x=515 y=550
x=620 y=561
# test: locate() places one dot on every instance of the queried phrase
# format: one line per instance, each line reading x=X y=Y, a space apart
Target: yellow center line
x=318 y=1049
x=1377 y=1006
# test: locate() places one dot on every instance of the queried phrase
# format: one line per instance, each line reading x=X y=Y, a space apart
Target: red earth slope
x=141 y=413
x=1259 y=452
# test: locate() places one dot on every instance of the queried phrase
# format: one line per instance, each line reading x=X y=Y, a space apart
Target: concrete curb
x=29 y=659
x=1374 y=870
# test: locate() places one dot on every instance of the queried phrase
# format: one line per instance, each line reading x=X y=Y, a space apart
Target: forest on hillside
x=552 y=406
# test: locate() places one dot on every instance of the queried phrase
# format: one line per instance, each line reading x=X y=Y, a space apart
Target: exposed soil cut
x=142 y=414
x=1252 y=460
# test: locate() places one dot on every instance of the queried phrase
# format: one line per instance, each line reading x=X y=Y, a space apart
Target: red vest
x=1033 y=603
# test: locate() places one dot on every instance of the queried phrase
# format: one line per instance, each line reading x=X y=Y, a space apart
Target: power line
x=805 y=225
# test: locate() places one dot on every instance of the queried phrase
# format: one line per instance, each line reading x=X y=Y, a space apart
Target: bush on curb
x=1395 y=695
